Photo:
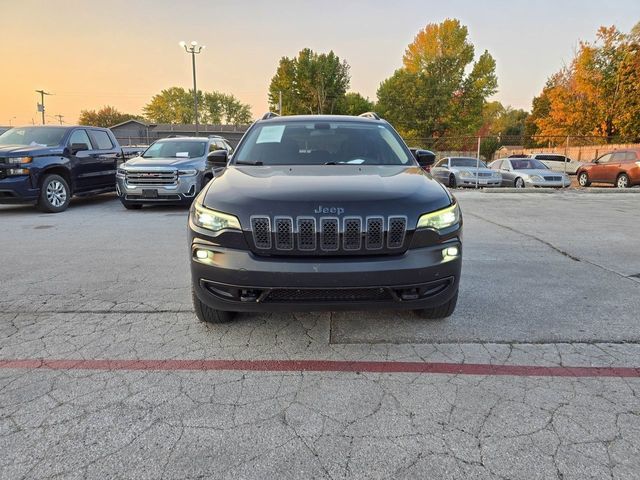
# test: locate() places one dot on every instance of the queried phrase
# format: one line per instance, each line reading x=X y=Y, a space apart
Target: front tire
x=55 y=194
x=452 y=181
x=441 y=311
x=583 y=179
x=622 y=181
x=518 y=183
x=210 y=315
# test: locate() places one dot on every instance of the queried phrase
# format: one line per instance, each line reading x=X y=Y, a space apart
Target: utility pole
x=478 y=161
x=194 y=49
x=280 y=103
x=41 y=104
x=59 y=117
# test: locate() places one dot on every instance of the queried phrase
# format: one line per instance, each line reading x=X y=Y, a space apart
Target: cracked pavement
x=548 y=280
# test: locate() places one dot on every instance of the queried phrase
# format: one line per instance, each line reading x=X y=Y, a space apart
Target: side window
x=605 y=158
x=631 y=157
x=495 y=165
x=103 y=142
x=619 y=157
x=213 y=147
x=80 y=136
x=441 y=163
x=221 y=145
x=506 y=165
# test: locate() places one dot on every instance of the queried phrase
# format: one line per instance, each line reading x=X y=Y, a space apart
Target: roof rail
x=373 y=115
x=269 y=115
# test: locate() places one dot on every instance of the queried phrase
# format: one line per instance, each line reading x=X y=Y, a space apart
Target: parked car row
x=47 y=165
x=506 y=172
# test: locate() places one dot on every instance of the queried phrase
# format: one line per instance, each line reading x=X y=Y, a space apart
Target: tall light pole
x=41 y=104
x=193 y=48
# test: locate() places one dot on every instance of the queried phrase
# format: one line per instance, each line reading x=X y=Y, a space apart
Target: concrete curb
x=588 y=190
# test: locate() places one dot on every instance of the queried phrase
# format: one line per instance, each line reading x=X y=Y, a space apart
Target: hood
x=28 y=151
x=473 y=169
x=325 y=190
x=163 y=162
x=542 y=173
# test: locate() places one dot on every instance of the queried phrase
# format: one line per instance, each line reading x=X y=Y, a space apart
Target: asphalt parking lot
x=106 y=373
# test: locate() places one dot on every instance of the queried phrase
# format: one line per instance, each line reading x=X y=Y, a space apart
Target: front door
x=85 y=163
x=106 y=154
x=598 y=172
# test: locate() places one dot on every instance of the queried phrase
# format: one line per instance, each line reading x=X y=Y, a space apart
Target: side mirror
x=425 y=158
x=217 y=159
x=78 y=147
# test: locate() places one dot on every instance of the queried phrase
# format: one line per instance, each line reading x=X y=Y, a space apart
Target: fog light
x=450 y=252
x=202 y=254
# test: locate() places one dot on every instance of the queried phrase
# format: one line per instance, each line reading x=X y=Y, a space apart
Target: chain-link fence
x=582 y=148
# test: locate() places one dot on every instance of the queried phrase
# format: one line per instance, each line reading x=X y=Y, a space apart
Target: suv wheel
x=210 y=315
x=131 y=206
x=54 y=194
x=441 y=311
x=583 y=179
x=622 y=181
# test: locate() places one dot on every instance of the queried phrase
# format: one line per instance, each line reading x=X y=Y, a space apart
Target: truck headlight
x=17 y=171
x=19 y=160
x=440 y=219
x=186 y=173
x=213 y=220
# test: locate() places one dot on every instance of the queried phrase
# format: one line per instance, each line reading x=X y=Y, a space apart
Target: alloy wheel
x=56 y=193
x=622 y=182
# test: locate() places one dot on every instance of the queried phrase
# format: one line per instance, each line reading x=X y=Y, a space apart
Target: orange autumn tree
x=598 y=93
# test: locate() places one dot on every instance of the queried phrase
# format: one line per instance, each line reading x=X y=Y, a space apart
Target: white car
x=556 y=162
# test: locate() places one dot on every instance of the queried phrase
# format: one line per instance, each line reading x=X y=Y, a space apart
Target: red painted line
x=321 y=366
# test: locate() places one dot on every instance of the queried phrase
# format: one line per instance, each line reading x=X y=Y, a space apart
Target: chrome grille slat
x=375 y=233
x=261 y=227
x=329 y=235
x=306 y=233
x=396 y=231
x=352 y=233
x=283 y=227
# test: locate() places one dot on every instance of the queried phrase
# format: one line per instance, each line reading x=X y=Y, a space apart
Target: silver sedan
x=465 y=172
x=528 y=172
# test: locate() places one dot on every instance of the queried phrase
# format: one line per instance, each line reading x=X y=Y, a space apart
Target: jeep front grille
x=328 y=234
x=152 y=177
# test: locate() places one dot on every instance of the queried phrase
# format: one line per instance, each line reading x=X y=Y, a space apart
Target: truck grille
x=328 y=234
x=152 y=177
x=551 y=178
x=328 y=295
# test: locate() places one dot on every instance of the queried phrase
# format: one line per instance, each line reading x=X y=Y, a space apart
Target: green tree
x=354 y=104
x=105 y=117
x=433 y=95
x=175 y=105
x=311 y=83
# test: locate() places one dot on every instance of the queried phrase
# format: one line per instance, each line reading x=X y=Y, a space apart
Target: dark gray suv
x=324 y=213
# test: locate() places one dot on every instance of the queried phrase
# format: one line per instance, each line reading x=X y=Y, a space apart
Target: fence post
x=478 y=163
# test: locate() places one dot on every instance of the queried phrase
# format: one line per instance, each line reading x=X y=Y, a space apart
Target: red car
x=620 y=168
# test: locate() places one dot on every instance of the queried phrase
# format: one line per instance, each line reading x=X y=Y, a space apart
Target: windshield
x=322 y=143
x=33 y=136
x=528 y=164
x=175 y=148
x=467 y=162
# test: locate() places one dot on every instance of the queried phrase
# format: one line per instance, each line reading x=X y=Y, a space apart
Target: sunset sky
x=120 y=53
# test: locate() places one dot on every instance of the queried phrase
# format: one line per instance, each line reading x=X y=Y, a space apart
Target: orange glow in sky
x=120 y=53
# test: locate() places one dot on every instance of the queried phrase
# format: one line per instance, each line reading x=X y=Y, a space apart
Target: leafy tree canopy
x=106 y=117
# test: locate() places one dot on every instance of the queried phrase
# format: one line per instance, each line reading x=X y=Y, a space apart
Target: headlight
x=440 y=219
x=536 y=178
x=19 y=160
x=17 y=171
x=187 y=172
x=465 y=174
x=212 y=220
x=121 y=171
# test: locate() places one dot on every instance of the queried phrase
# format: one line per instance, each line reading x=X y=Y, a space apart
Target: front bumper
x=18 y=189
x=482 y=181
x=238 y=280
x=548 y=184
x=184 y=190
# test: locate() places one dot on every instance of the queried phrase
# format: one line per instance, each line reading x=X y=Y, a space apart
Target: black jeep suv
x=323 y=213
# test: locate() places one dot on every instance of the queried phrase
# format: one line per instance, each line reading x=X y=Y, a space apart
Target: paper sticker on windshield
x=182 y=154
x=271 y=134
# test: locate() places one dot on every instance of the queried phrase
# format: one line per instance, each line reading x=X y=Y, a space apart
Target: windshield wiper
x=240 y=162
